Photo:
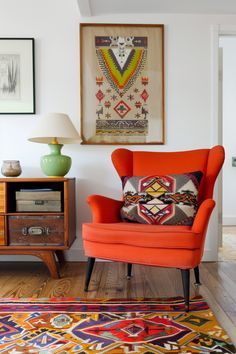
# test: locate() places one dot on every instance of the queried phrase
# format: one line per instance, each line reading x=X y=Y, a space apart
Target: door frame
x=217 y=119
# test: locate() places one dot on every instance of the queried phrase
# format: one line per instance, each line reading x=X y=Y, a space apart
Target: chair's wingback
x=143 y=163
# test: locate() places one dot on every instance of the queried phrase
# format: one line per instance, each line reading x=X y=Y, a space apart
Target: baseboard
x=208 y=256
x=229 y=220
x=72 y=255
x=77 y=255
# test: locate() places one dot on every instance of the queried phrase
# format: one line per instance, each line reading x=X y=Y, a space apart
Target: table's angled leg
x=48 y=257
x=61 y=257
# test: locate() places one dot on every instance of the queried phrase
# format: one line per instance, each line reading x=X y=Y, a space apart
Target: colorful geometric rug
x=149 y=326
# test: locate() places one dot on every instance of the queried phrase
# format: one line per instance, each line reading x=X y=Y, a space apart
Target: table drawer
x=36 y=230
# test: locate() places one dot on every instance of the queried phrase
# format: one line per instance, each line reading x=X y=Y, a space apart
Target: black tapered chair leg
x=90 y=264
x=129 y=270
x=197 y=276
x=185 y=273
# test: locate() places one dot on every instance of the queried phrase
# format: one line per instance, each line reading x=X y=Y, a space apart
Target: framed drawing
x=17 y=89
x=122 y=83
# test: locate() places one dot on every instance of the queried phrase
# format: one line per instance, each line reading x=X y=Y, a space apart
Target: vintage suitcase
x=38 y=201
x=45 y=230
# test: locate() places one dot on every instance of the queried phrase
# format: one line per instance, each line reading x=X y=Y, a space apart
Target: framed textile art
x=17 y=87
x=122 y=83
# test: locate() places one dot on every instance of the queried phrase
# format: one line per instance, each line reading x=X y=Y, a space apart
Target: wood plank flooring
x=109 y=280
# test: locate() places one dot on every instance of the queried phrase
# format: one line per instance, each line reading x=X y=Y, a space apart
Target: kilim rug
x=45 y=326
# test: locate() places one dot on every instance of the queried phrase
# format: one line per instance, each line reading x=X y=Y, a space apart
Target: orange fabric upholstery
x=108 y=237
x=144 y=163
x=141 y=236
x=99 y=234
x=104 y=209
x=186 y=259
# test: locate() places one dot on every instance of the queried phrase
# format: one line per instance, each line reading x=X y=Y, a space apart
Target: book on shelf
x=35 y=190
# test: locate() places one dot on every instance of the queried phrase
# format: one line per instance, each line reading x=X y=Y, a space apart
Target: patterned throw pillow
x=162 y=200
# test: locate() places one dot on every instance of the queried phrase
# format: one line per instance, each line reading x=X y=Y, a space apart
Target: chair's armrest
x=104 y=209
x=203 y=215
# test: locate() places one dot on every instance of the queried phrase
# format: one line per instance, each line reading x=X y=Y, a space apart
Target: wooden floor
x=109 y=281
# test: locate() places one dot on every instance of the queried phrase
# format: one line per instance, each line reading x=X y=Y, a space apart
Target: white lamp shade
x=54 y=125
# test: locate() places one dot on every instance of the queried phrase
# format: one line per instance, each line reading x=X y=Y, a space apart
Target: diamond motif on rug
x=133 y=330
x=41 y=340
x=195 y=320
x=9 y=328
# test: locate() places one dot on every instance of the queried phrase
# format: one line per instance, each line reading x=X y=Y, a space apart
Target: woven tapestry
x=122 y=84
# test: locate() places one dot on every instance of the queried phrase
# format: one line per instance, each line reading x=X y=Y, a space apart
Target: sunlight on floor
x=228 y=250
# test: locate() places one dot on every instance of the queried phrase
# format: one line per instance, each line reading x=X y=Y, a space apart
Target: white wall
x=229 y=127
x=55 y=26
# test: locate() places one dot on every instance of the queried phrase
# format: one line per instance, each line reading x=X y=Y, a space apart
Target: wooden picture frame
x=17 y=86
x=122 y=83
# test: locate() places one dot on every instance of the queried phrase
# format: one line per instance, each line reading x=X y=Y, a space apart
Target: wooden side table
x=43 y=234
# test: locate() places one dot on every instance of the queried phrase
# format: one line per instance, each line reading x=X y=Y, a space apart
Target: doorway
x=227 y=109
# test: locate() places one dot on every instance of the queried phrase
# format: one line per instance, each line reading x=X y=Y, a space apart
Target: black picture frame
x=17 y=76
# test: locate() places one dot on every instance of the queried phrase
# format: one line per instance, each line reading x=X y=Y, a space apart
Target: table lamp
x=55 y=129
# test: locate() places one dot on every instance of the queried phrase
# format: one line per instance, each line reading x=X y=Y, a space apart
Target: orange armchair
x=176 y=246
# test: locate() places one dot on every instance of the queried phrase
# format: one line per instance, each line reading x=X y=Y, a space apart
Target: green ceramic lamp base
x=55 y=164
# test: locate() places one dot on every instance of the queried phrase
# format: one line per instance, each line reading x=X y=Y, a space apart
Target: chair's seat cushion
x=153 y=236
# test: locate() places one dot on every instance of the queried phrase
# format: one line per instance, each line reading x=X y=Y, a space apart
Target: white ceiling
x=89 y=8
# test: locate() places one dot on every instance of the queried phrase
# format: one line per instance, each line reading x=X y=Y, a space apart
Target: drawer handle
x=35 y=231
